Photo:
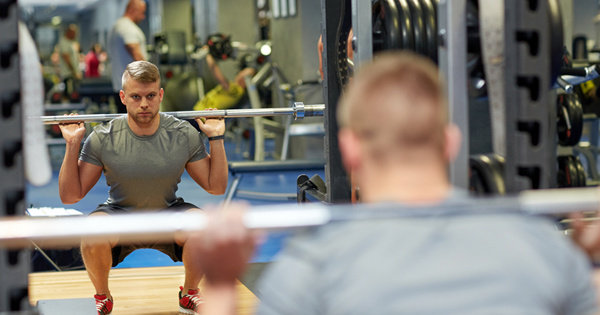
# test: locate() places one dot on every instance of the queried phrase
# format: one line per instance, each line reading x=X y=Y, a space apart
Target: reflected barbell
x=17 y=232
x=299 y=111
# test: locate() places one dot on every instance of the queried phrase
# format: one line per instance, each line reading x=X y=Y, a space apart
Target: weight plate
x=561 y=124
x=473 y=42
x=574 y=113
x=573 y=171
x=486 y=177
x=556 y=40
x=419 y=31
x=376 y=26
x=497 y=163
x=406 y=25
x=430 y=22
x=567 y=172
x=391 y=30
x=580 y=172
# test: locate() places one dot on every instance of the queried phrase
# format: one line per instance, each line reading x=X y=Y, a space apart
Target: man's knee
x=181 y=239
x=93 y=244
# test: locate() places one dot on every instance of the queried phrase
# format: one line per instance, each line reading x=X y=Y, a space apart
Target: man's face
x=140 y=11
x=142 y=100
x=71 y=34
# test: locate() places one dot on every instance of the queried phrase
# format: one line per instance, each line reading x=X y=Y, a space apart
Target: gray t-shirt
x=461 y=264
x=124 y=32
x=143 y=171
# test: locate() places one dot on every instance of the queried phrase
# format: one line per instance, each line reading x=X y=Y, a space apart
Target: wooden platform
x=149 y=291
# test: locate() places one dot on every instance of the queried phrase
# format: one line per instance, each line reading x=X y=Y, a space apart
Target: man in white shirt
x=127 y=42
x=69 y=59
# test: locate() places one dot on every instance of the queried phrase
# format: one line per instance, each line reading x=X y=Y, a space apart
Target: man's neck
x=420 y=183
x=144 y=129
x=129 y=16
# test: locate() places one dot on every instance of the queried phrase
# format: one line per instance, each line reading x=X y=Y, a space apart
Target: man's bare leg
x=97 y=257
x=193 y=272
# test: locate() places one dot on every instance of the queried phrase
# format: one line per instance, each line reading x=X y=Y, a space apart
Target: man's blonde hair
x=141 y=71
x=395 y=105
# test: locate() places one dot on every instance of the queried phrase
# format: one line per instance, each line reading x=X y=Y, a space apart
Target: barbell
x=17 y=232
x=299 y=111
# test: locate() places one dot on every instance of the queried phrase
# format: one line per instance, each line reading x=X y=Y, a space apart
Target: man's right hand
x=225 y=246
x=72 y=132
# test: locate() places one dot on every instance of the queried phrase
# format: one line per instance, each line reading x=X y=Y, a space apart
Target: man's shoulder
x=172 y=123
x=122 y=21
x=522 y=230
x=114 y=126
x=124 y=24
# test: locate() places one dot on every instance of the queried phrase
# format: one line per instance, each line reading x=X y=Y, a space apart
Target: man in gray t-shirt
x=143 y=155
x=459 y=264
x=396 y=142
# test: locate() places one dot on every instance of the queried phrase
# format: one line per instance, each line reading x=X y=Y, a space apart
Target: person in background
x=69 y=59
x=127 y=43
x=92 y=61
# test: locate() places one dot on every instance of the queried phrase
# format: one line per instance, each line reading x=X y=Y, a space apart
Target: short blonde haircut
x=141 y=71
x=395 y=105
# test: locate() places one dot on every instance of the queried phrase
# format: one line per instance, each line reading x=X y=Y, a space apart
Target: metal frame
x=14 y=265
x=336 y=179
x=452 y=56
x=530 y=135
x=363 y=32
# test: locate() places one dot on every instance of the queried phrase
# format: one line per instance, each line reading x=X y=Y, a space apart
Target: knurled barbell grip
x=308 y=110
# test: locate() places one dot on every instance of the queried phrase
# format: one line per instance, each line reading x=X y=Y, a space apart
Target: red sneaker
x=191 y=302
x=104 y=305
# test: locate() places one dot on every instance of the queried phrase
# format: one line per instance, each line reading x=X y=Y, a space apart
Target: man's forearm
x=137 y=55
x=216 y=72
x=69 y=185
x=135 y=51
x=218 y=167
x=220 y=299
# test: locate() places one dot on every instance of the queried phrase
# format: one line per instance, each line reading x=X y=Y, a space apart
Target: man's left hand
x=586 y=235
x=212 y=127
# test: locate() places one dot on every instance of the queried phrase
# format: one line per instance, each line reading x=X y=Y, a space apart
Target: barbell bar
x=299 y=111
x=17 y=232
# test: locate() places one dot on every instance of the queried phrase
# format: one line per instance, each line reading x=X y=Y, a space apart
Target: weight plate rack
x=14 y=264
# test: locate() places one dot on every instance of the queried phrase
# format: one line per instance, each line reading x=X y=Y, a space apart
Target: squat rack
x=452 y=60
x=14 y=264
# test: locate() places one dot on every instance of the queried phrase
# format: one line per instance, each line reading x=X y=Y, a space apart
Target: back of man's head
x=396 y=107
x=141 y=71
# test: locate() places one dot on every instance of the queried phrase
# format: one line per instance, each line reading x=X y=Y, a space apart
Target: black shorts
x=173 y=250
